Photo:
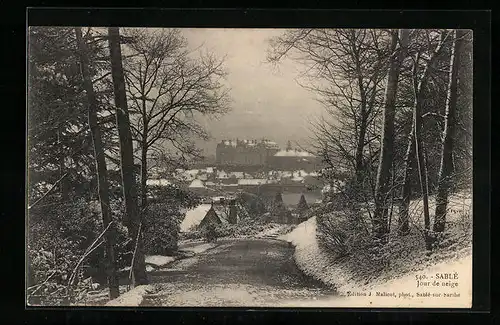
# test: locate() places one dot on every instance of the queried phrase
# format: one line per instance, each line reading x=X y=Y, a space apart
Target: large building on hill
x=264 y=152
x=294 y=159
x=245 y=152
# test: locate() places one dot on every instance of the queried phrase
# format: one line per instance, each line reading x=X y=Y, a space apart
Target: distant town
x=252 y=166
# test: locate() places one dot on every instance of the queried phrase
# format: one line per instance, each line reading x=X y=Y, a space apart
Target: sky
x=267 y=101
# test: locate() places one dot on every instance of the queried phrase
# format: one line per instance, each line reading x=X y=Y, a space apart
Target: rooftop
x=158 y=182
x=251 y=181
x=293 y=153
x=250 y=143
x=196 y=184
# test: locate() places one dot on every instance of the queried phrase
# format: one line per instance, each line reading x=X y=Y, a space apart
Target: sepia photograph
x=249 y=167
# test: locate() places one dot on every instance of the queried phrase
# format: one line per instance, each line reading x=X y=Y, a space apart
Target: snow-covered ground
x=133 y=297
x=405 y=291
x=196 y=247
x=274 y=230
x=312 y=259
x=97 y=298
x=158 y=260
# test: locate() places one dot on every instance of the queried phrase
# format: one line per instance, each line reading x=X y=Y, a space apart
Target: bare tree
x=166 y=89
x=446 y=168
x=133 y=217
x=100 y=162
x=346 y=68
x=386 y=151
x=424 y=58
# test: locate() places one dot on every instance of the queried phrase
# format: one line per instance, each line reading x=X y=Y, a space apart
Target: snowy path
x=247 y=272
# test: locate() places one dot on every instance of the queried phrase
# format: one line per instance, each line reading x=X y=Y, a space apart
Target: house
x=251 y=182
x=210 y=184
x=294 y=159
x=221 y=174
x=237 y=175
x=211 y=217
x=222 y=212
x=229 y=188
x=298 y=176
x=158 y=182
x=251 y=185
x=245 y=152
x=194 y=216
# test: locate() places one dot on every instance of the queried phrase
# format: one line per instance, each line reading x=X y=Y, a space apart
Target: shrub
x=340 y=233
x=246 y=227
x=57 y=238
x=161 y=229
x=211 y=232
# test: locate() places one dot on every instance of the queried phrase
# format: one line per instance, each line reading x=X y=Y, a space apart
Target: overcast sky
x=266 y=101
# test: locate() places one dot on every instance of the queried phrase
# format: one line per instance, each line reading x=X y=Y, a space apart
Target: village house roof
x=186 y=175
x=299 y=173
x=254 y=181
x=220 y=213
x=238 y=175
x=293 y=153
x=231 y=143
x=218 y=199
x=285 y=173
x=298 y=179
x=222 y=174
x=158 y=182
x=194 y=216
x=196 y=184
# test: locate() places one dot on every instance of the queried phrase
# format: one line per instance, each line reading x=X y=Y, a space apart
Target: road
x=245 y=272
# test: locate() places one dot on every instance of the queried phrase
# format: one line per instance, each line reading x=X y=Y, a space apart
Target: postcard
x=216 y=167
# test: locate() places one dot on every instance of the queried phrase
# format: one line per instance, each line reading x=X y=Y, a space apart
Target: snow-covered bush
x=212 y=231
x=57 y=238
x=341 y=233
x=161 y=229
x=163 y=218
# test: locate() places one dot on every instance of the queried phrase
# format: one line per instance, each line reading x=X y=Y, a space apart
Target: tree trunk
x=386 y=151
x=144 y=153
x=404 y=213
x=419 y=88
x=126 y=154
x=410 y=161
x=144 y=176
x=100 y=161
x=63 y=185
x=359 y=151
x=419 y=150
x=446 y=166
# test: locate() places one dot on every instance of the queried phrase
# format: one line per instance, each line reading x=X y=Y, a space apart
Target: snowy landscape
x=249 y=167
